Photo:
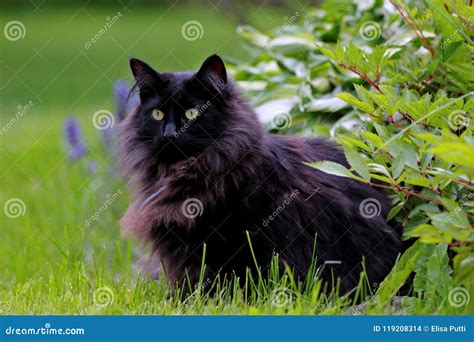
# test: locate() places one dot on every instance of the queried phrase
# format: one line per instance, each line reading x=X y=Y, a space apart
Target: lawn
x=53 y=258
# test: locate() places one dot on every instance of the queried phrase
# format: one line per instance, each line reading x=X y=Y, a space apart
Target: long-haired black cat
x=204 y=171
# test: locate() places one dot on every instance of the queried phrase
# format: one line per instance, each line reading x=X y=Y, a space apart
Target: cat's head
x=180 y=114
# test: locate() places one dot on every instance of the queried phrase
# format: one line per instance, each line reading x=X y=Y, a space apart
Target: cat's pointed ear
x=213 y=71
x=148 y=80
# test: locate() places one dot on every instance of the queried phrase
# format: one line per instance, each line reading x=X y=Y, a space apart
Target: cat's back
x=301 y=149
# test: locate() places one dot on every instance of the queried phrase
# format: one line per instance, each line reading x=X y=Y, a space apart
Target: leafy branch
x=362 y=75
x=412 y=23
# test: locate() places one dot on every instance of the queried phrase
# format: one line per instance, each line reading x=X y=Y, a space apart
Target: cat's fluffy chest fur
x=245 y=184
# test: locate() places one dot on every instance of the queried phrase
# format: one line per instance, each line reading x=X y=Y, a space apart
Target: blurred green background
x=52 y=67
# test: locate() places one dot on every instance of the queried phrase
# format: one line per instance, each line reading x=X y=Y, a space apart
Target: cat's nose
x=169 y=131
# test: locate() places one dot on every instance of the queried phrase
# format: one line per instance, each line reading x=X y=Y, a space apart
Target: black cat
x=204 y=171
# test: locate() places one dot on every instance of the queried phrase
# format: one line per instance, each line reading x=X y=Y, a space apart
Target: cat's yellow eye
x=157 y=114
x=191 y=113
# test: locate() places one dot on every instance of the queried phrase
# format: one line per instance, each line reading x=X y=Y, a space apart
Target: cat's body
x=226 y=181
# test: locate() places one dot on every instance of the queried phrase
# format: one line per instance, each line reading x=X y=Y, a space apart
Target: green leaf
x=355 y=142
x=399 y=274
x=456 y=153
x=351 y=99
x=420 y=181
x=395 y=210
x=356 y=161
x=433 y=273
x=327 y=52
x=332 y=168
x=339 y=52
x=373 y=138
x=465 y=270
x=429 y=234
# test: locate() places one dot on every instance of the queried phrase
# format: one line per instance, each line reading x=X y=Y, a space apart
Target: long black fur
x=239 y=179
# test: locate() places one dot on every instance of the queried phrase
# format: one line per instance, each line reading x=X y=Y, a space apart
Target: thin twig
x=363 y=75
x=406 y=192
x=418 y=32
x=390 y=120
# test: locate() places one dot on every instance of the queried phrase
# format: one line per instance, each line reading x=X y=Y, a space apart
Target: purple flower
x=108 y=135
x=124 y=103
x=92 y=166
x=75 y=144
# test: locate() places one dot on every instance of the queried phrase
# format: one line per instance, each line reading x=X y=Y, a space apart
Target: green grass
x=50 y=261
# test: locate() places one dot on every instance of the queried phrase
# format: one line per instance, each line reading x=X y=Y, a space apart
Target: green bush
x=391 y=82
